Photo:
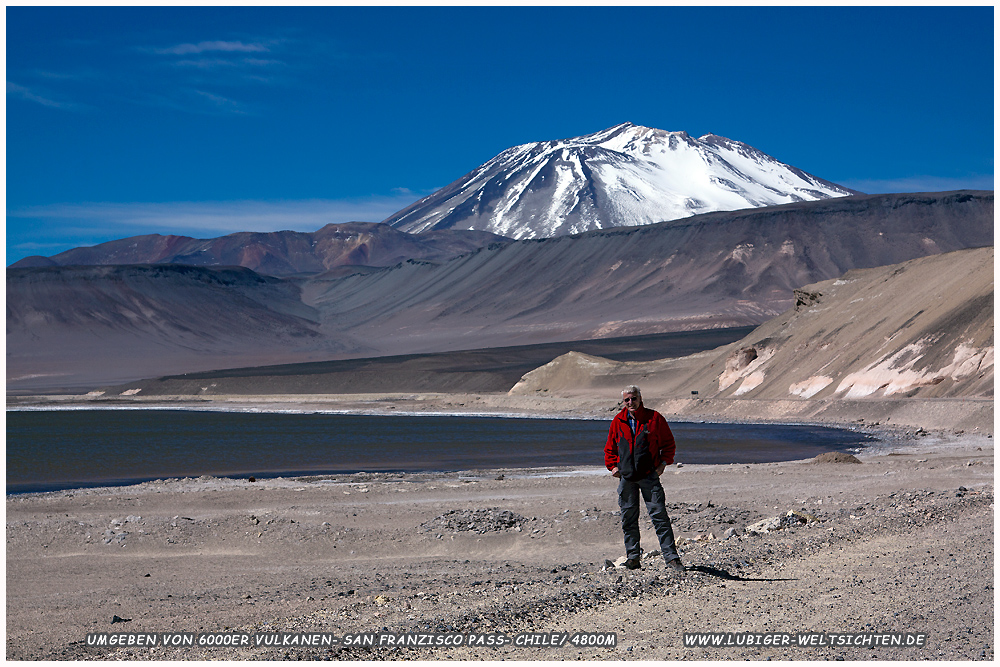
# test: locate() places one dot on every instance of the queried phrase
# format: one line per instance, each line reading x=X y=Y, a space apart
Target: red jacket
x=656 y=444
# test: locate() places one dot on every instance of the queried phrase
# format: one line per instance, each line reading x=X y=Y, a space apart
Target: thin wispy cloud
x=82 y=75
x=221 y=103
x=207 y=219
x=29 y=95
x=261 y=62
x=218 y=45
x=223 y=63
x=207 y=77
x=210 y=66
x=208 y=63
x=54 y=89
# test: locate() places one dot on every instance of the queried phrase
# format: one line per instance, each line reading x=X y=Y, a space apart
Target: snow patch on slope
x=895 y=374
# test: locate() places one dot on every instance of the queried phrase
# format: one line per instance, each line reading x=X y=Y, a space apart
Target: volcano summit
x=627 y=175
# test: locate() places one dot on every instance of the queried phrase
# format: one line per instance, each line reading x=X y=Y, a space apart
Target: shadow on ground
x=722 y=574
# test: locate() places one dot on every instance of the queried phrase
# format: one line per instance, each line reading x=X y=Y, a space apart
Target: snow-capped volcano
x=624 y=176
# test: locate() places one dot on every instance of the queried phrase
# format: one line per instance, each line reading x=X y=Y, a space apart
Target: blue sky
x=205 y=121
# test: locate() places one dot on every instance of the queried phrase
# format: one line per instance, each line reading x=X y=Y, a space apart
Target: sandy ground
x=902 y=542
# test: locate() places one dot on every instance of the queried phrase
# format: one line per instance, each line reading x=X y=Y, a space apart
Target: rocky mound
x=475 y=521
x=835 y=457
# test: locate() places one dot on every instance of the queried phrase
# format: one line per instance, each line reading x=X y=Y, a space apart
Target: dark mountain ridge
x=96 y=325
x=283 y=253
x=713 y=270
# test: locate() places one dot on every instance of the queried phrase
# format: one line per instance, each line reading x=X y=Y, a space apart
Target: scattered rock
x=476 y=521
x=792 y=518
x=804 y=299
x=118 y=619
x=111 y=536
x=765 y=525
x=835 y=457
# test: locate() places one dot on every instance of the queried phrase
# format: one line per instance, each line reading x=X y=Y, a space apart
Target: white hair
x=632 y=389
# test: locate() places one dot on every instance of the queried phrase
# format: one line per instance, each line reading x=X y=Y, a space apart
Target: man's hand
x=615 y=473
x=660 y=469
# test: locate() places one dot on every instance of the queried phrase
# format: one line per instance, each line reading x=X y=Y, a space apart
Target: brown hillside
x=715 y=270
x=922 y=328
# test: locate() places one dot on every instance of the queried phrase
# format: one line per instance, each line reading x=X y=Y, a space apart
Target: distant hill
x=487 y=370
x=68 y=327
x=101 y=325
x=353 y=244
x=922 y=328
x=624 y=176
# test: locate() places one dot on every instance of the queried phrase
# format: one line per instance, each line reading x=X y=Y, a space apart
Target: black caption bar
x=367 y=639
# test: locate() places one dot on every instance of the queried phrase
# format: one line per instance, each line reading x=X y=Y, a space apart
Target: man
x=640 y=446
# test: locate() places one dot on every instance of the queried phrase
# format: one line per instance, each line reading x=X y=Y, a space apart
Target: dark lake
x=62 y=449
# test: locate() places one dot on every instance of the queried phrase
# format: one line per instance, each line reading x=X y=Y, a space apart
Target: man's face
x=632 y=401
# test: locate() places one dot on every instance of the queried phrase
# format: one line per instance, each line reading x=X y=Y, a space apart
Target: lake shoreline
x=904 y=535
x=961 y=415
x=153 y=443
x=892 y=425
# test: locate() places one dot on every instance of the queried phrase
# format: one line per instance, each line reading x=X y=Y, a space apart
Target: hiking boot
x=633 y=564
x=675 y=565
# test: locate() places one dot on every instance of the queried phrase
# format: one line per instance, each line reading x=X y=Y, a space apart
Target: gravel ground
x=902 y=542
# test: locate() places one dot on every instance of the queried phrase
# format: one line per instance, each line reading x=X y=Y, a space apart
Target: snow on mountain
x=627 y=175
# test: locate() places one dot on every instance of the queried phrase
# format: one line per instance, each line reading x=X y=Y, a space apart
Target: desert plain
x=900 y=542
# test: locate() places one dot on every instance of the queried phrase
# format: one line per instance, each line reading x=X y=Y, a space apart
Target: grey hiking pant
x=656 y=505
